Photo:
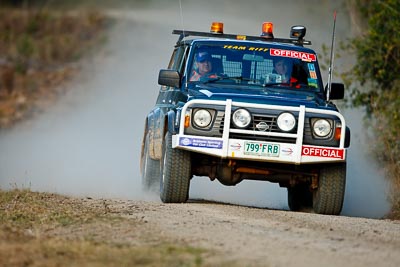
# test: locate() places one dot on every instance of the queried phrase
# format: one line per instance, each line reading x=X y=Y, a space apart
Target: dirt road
x=262 y=237
x=43 y=229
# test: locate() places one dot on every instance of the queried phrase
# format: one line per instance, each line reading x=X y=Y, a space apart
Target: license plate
x=261 y=149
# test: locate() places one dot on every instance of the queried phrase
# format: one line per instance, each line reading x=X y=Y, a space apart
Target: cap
x=203 y=56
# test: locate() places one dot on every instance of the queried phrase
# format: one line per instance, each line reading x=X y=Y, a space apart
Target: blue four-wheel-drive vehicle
x=235 y=107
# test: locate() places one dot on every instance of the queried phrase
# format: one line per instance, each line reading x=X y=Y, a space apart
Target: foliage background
x=375 y=81
x=39 y=51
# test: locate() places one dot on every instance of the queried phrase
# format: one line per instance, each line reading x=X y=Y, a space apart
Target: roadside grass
x=25 y=209
x=40 y=51
x=43 y=229
x=55 y=252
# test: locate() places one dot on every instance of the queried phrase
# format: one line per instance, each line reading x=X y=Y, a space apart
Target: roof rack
x=184 y=34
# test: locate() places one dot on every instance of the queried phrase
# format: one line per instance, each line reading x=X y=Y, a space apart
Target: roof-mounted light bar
x=217 y=30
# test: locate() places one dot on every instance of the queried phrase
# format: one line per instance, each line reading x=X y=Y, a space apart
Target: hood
x=280 y=97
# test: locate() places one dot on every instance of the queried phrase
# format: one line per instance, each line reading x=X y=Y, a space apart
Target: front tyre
x=175 y=173
x=328 y=197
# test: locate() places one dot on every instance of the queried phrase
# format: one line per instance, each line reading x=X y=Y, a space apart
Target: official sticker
x=322 y=152
x=293 y=54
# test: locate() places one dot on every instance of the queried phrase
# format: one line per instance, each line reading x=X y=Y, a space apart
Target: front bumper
x=233 y=148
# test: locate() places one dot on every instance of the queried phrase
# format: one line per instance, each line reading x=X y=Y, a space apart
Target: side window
x=183 y=59
x=173 y=59
x=177 y=59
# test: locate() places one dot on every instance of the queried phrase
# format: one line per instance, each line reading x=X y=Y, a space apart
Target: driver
x=203 y=67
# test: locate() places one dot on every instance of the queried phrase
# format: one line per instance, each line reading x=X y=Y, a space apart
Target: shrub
x=375 y=83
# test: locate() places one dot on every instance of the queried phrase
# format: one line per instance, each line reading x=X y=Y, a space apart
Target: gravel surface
x=262 y=237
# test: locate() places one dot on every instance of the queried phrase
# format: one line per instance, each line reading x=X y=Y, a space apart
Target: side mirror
x=337 y=91
x=169 y=78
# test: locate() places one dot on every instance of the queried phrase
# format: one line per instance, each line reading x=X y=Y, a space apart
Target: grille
x=266 y=116
x=269 y=120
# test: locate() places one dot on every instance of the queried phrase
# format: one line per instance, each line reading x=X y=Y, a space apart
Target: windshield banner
x=293 y=54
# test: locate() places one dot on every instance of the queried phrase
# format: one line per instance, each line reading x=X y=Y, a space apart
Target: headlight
x=286 y=121
x=202 y=118
x=241 y=118
x=322 y=128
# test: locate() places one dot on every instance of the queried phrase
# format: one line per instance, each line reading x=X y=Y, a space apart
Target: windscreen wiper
x=272 y=84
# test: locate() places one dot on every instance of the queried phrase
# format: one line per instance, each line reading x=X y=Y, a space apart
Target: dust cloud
x=89 y=144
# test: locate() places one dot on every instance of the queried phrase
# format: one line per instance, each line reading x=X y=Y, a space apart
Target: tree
x=375 y=83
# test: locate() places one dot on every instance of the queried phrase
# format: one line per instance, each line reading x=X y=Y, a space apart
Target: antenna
x=182 y=36
x=331 y=59
x=181 y=14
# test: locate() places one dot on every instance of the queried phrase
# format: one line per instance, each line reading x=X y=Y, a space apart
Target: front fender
x=171 y=116
x=155 y=126
x=159 y=122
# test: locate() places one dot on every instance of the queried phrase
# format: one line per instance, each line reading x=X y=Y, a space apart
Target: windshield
x=254 y=65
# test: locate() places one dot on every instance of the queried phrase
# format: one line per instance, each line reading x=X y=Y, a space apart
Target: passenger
x=283 y=68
